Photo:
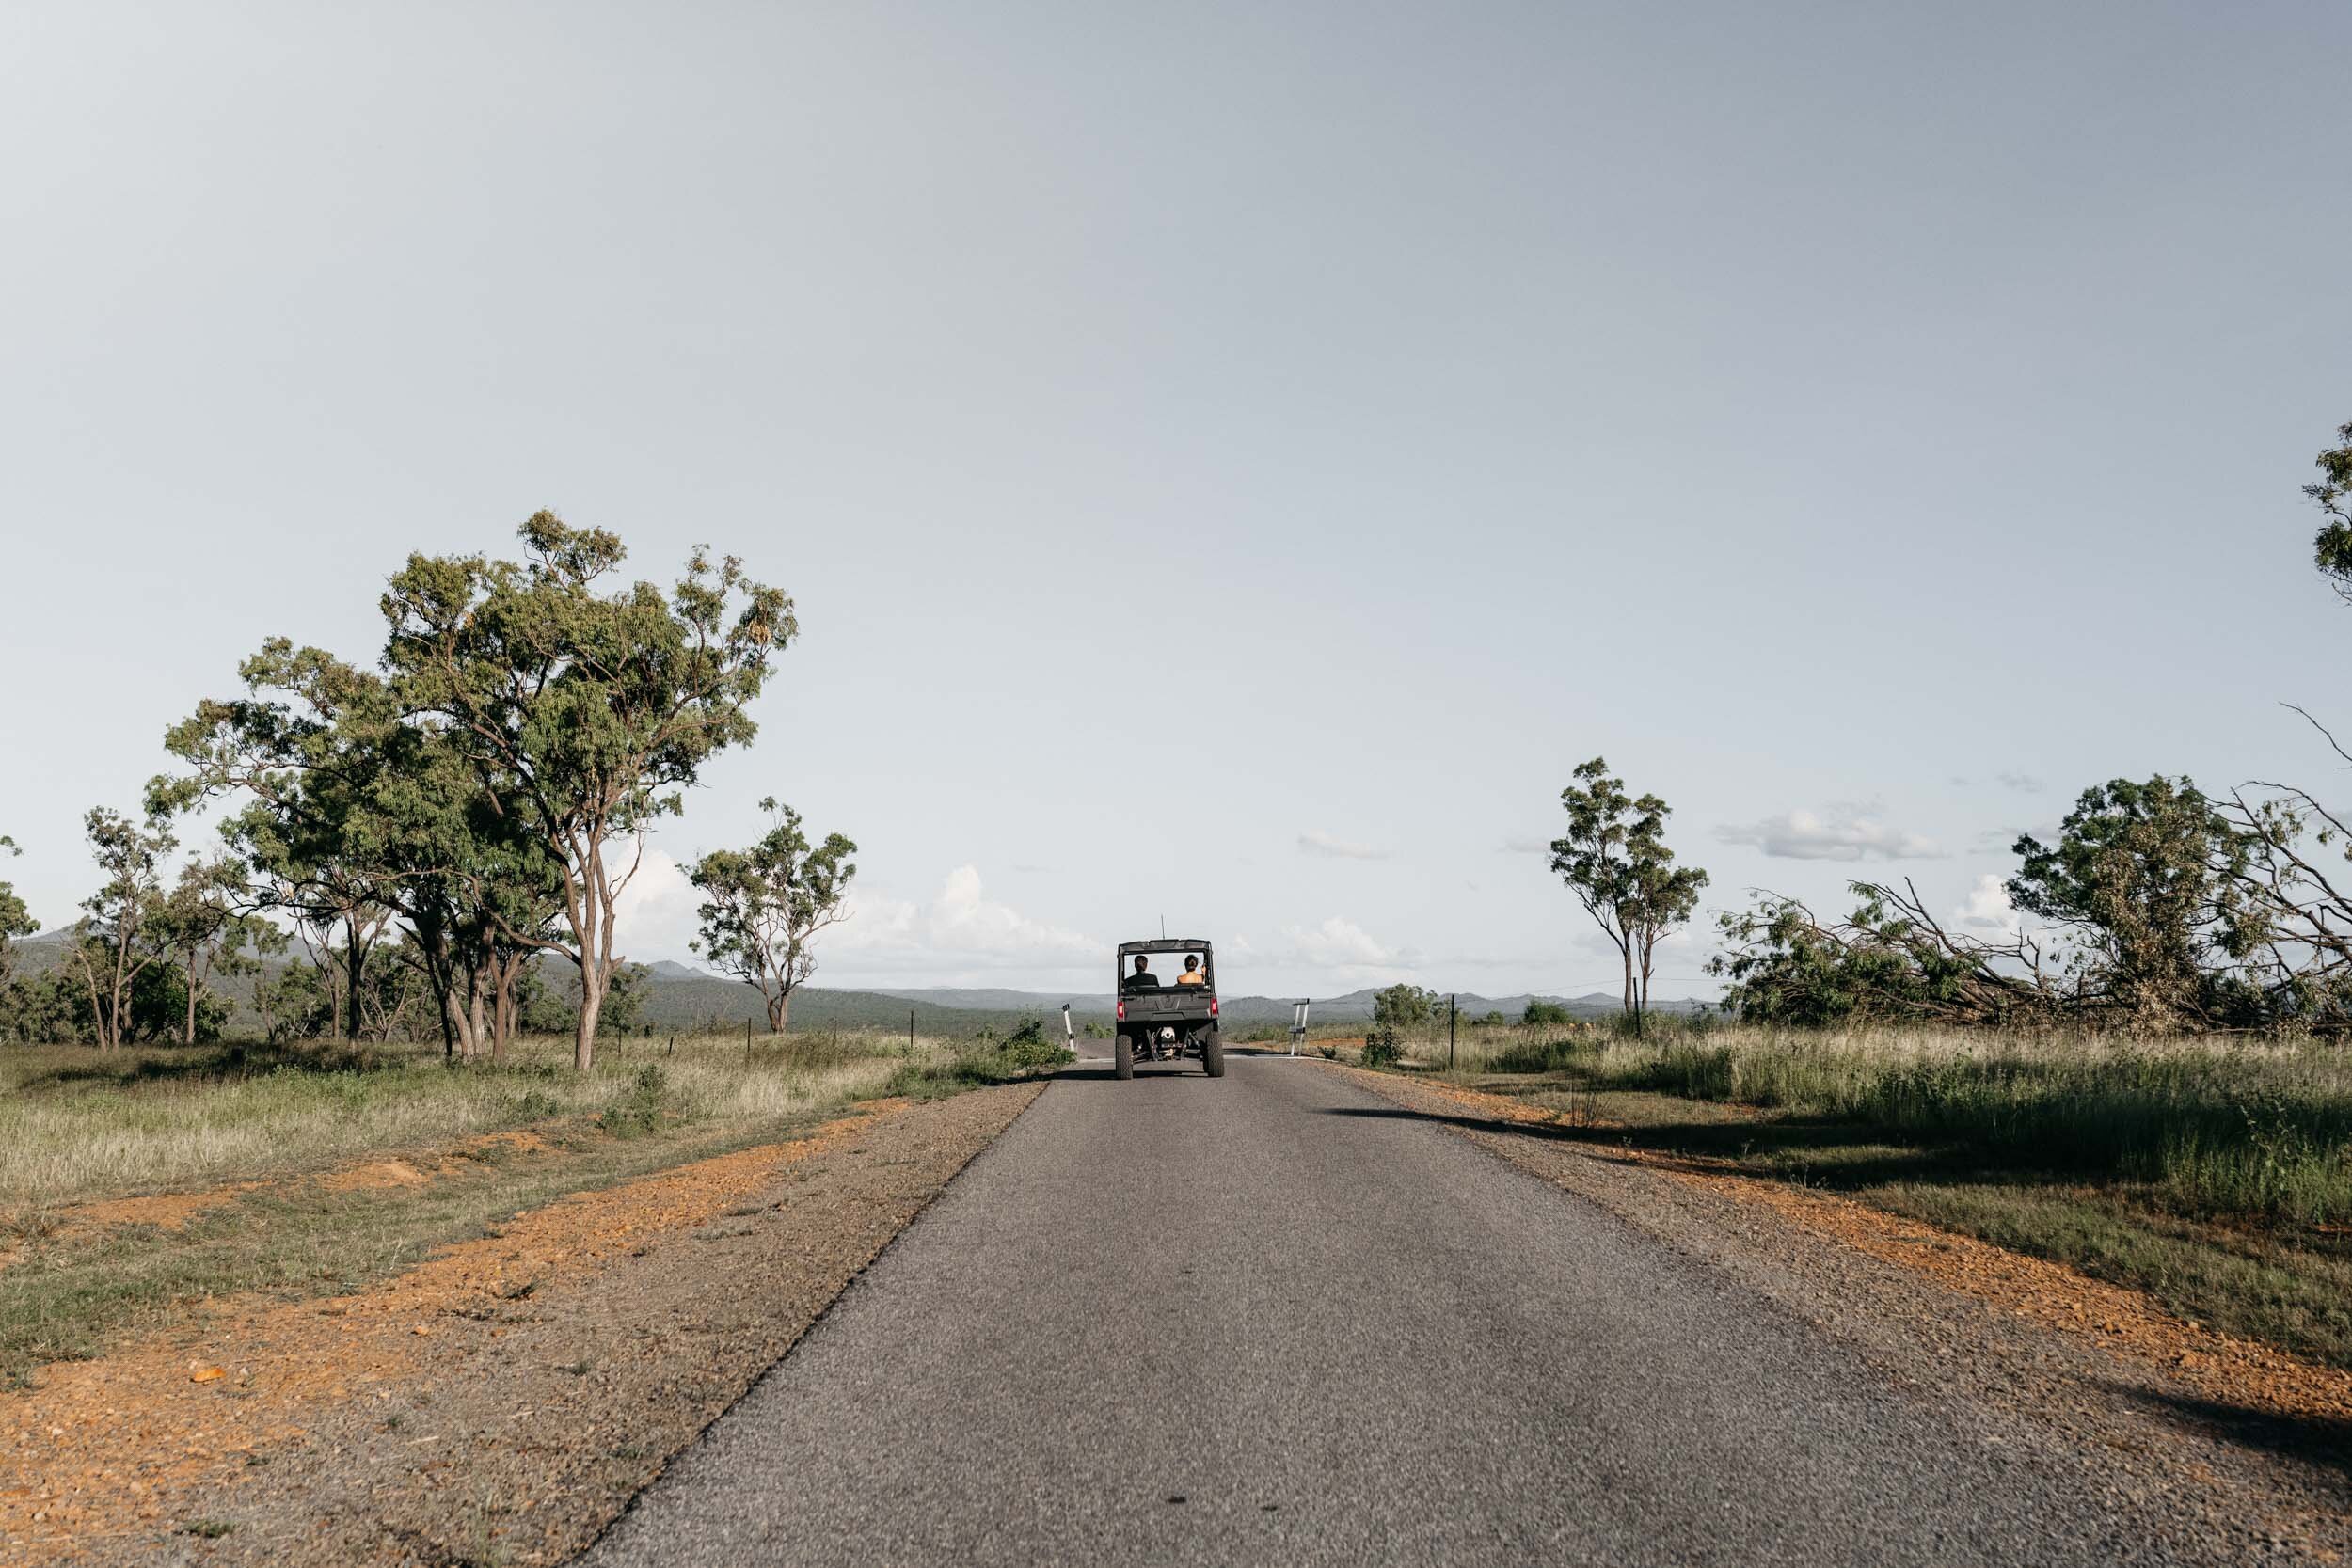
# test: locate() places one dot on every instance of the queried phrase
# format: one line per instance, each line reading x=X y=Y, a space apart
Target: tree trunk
x=356 y=966
x=474 y=1009
x=590 y=1004
x=779 y=1007
x=188 y=973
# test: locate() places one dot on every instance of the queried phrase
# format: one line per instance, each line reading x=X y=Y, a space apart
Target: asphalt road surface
x=1273 y=1319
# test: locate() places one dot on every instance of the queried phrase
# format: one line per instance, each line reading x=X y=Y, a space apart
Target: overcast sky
x=1864 y=425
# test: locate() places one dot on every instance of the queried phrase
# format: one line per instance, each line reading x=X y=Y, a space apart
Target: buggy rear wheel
x=1123 y=1055
x=1212 y=1054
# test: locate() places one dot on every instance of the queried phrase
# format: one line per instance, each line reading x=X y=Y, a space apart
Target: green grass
x=2216 y=1176
x=78 y=1126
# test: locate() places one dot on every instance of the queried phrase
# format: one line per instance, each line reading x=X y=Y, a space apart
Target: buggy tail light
x=1212 y=1006
x=1122 y=1012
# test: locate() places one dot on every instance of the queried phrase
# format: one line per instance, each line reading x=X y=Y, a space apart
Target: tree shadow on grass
x=1821 y=1152
x=155 y=1064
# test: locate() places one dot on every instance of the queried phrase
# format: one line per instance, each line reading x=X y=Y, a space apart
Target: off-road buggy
x=1162 y=1016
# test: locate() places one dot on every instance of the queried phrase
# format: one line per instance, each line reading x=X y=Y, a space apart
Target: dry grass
x=320 y=1170
x=2215 y=1173
x=76 y=1125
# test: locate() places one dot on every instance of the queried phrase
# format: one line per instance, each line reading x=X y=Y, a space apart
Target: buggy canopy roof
x=1164 y=945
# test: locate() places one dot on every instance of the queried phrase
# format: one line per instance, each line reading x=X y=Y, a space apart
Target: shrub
x=1382 y=1048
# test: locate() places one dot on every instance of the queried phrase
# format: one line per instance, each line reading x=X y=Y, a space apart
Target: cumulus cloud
x=1987 y=907
x=959 y=929
x=1314 y=841
x=653 y=917
x=957 y=933
x=1339 y=949
x=1845 y=831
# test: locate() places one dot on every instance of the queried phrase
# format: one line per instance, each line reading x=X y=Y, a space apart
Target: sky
x=1231 y=462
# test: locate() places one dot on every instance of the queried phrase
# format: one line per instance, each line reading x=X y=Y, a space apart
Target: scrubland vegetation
x=2215 y=1172
x=313 y=1169
x=77 y=1124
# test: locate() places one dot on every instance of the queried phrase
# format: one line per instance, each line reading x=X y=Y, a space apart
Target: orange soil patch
x=2052 y=1295
x=148 y=1423
x=172 y=1210
x=375 y=1174
x=165 y=1211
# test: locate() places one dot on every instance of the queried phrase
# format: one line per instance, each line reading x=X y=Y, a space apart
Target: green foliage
x=1614 y=859
x=583 y=714
x=2145 y=880
x=1382 y=1048
x=762 y=907
x=1405 y=1006
x=2332 y=549
x=1890 y=959
x=114 y=943
x=1539 y=1012
x=15 y=919
x=640 y=1111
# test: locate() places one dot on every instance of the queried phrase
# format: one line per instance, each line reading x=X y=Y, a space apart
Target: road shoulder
x=2262 y=1438
x=499 y=1403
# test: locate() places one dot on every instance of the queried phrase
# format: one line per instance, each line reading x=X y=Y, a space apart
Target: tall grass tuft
x=2259 y=1128
x=76 y=1124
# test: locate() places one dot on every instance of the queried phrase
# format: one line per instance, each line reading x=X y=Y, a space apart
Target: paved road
x=1272 y=1318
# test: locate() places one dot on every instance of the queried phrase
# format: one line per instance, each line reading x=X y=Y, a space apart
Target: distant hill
x=680 y=997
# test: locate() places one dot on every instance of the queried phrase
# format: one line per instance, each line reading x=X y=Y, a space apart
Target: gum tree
x=583 y=713
x=15 y=919
x=113 y=941
x=356 y=816
x=764 y=906
x=1614 y=859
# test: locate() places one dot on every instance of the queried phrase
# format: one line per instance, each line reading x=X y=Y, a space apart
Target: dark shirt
x=1138 y=981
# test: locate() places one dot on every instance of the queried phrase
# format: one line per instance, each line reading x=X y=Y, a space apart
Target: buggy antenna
x=1163 y=928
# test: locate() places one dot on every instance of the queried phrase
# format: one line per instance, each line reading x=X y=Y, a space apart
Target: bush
x=1382 y=1048
x=640 y=1113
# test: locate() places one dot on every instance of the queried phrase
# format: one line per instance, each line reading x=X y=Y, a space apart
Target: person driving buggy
x=1143 y=979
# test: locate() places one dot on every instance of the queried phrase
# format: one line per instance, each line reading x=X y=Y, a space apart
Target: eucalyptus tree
x=205 y=925
x=356 y=818
x=114 y=943
x=1614 y=859
x=763 y=907
x=2148 y=884
x=2332 y=549
x=15 y=919
x=583 y=713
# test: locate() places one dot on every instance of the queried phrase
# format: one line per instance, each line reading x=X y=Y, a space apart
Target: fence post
x=1449 y=1034
x=910 y=1031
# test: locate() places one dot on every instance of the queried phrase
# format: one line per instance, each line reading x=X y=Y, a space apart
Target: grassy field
x=134 y=1184
x=2215 y=1174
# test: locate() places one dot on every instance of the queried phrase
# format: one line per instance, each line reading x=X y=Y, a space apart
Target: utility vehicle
x=1163 y=1014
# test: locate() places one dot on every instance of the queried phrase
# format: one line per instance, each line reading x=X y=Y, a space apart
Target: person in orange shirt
x=1192 y=976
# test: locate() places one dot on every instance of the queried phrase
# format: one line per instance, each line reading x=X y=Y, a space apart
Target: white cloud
x=958 y=932
x=1846 y=831
x=1987 y=907
x=1523 y=844
x=653 y=917
x=1337 y=951
x=957 y=936
x=2025 y=783
x=1314 y=841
